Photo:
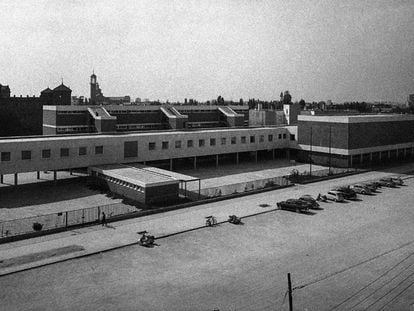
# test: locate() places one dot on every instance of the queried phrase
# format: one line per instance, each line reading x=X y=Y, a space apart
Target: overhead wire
x=382 y=286
x=372 y=282
x=389 y=291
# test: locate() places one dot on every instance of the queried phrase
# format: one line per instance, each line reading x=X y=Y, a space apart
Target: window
x=212 y=141
x=130 y=149
x=261 y=138
x=5 y=156
x=189 y=143
x=165 y=145
x=243 y=139
x=233 y=140
x=292 y=136
x=201 y=143
x=82 y=151
x=26 y=155
x=64 y=152
x=151 y=146
x=45 y=153
x=252 y=139
x=223 y=140
x=178 y=144
x=284 y=136
x=98 y=149
x=280 y=136
x=270 y=137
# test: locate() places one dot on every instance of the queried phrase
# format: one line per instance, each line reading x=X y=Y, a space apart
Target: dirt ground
x=357 y=255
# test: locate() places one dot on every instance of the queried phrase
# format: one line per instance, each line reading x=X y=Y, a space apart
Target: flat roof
x=134 y=175
x=132 y=134
x=361 y=118
x=171 y=174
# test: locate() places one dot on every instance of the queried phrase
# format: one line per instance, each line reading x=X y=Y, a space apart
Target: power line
x=369 y=284
x=399 y=294
x=350 y=267
x=389 y=291
x=382 y=286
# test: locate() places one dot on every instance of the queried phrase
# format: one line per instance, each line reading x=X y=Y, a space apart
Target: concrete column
x=171 y=164
x=237 y=158
x=16 y=179
x=288 y=154
x=405 y=152
x=361 y=158
x=217 y=160
x=389 y=154
x=1 y=178
x=370 y=157
x=54 y=175
x=350 y=160
x=195 y=162
x=70 y=172
x=255 y=156
x=38 y=174
x=273 y=154
x=379 y=156
x=145 y=163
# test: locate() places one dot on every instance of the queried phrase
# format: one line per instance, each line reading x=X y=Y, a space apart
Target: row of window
x=73 y=129
x=222 y=141
x=121 y=182
x=138 y=126
x=72 y=112
x=131 y=111
x=47 y=153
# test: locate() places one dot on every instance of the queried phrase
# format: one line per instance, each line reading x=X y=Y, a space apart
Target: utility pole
x=310 y=153
x=330 y=145
x=290 y=293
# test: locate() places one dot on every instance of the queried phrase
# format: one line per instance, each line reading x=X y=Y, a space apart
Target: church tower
x=93 y=88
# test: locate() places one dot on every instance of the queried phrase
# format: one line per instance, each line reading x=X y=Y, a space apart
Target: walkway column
x=217 y=160
x=379 y=158
x=361 y=158
x=237 y=158
x=54 y=175
x=1 y=178
x=405 y=153
x=389 y=154
x=144 y=163
x=16 y=179
x=70 y=172
x=255 y=156
x=370 y=157
x=288 y=154
x=38 y=174
x=171 y=164
x=195 y=162
x=273 y=154
x=350 y=160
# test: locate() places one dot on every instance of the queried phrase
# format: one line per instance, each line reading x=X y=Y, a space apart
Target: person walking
x=103 y=220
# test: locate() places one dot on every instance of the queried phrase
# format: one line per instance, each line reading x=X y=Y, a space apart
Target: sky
x=342 y=50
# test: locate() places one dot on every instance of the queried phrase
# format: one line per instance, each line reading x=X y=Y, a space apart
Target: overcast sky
x=343 y=50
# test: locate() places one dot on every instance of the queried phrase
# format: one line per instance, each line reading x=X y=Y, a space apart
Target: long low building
x=53 y=153
x=355 y=140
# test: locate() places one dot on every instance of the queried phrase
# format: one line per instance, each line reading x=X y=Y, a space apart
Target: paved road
x=334 y=253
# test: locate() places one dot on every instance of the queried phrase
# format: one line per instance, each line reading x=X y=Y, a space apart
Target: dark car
x=395 y=179
x=347 y=192
x=308 y=198
x=298 y=206
x=386 y=182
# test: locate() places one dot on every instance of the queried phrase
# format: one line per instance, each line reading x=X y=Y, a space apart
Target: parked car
x=347 y=192
x=372 y=186
x=335 y=196
x=359 y=188
x=308 y=198
x=386 y=182
x=298 y=206
x=395 y=179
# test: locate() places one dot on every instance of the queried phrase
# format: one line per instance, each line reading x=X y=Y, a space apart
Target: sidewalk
x=32 y=253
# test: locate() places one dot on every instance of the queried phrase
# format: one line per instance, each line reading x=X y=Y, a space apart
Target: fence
x=62 y=220
x=240 y=187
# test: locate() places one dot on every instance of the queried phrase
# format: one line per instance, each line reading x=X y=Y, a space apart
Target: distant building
x=97 y=97
x=24 y=115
